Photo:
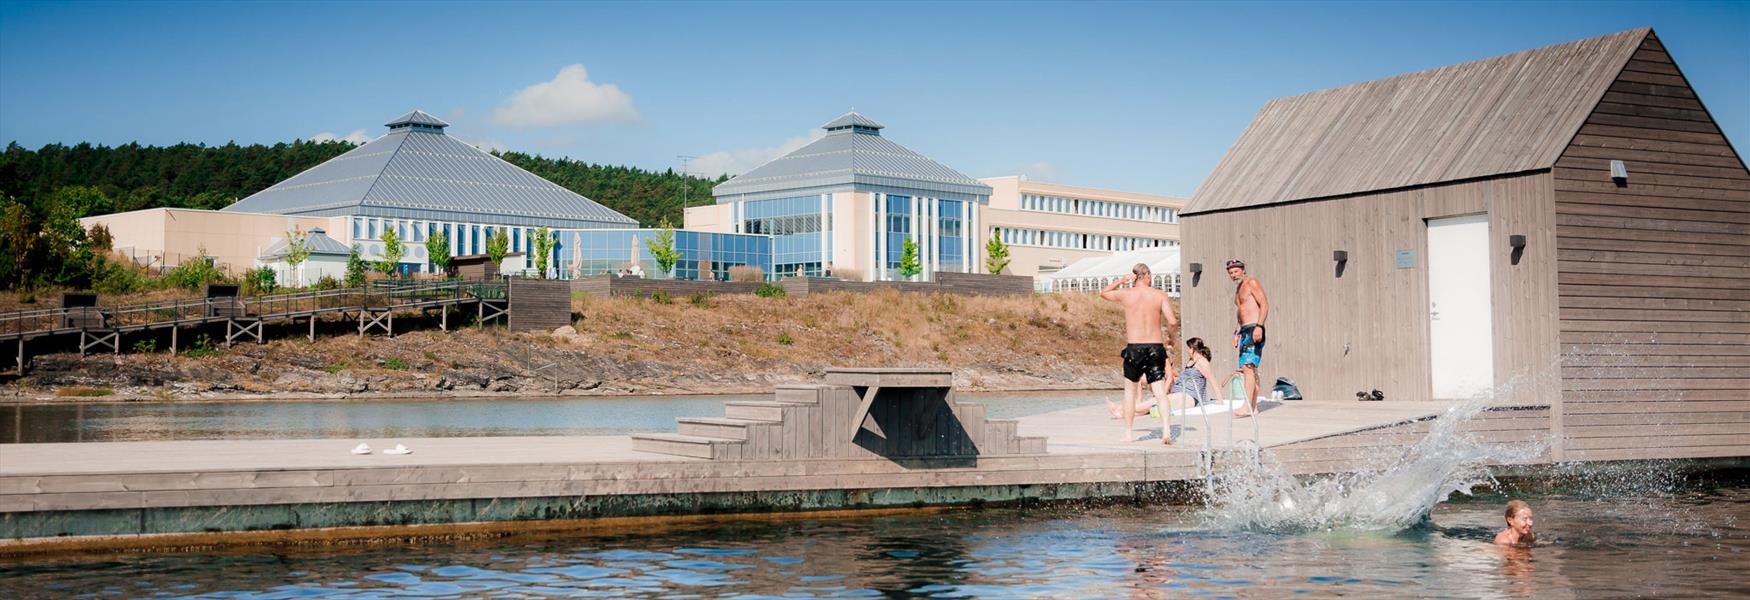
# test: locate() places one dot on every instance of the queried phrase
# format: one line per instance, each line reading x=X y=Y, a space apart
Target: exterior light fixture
x=1517 y=242
x=1342 y=258
x=1196 y=273
x=1619 y=173
x=1196 y=267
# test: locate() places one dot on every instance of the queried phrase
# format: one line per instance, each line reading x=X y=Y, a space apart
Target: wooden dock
x=161 y=493
x=524 y=304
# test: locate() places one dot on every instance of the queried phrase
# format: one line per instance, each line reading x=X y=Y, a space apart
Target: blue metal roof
x=852 y=156
x=417 y=172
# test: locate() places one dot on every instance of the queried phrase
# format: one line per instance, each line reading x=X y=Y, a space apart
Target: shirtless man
x=1145 y=350
x=1252 y=308
x=1518 y=531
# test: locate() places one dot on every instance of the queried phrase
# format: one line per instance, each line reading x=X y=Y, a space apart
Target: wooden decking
x=93 y=491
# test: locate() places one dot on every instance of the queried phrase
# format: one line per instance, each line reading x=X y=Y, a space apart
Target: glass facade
x=898 y=229
x=797 y=226
x=950 y=227
x=704 y=255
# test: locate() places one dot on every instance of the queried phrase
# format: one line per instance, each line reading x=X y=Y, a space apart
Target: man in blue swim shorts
x=1252 y=308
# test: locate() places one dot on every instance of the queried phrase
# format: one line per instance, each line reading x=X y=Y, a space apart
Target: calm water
x=1686 y=542
x=139 y=421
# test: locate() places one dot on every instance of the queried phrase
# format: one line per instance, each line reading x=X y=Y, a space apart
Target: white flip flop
x=362 y=449
x=398 y=449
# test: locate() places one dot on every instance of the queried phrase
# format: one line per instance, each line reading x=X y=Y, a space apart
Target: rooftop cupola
x=417 y=120
x=853 y=122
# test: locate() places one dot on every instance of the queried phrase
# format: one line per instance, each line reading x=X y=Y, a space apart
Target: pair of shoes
x=1376 y=396
x=366 y=449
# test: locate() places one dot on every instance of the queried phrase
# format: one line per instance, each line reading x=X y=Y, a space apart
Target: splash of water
x=1396 y=491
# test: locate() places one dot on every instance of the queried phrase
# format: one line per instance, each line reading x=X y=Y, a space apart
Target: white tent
x=1094 y=273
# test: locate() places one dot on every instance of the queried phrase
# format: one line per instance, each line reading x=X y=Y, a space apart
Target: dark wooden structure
x=374 y=308
x=476 y=266
x=539 y=304
x=1622 y=304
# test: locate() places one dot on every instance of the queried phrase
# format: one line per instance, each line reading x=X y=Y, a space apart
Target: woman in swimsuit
x=1190 y=389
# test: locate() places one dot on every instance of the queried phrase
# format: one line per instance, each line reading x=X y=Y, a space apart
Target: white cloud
x=1038 y=171
x=489 y=145
x=568 y=99
x=358 y=136
x=742 y=160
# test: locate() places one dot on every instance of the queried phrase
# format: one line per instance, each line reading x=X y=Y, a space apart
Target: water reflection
x=1064 y=551
x=145 y=421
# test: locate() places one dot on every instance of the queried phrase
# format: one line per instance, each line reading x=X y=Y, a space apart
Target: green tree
x=355 y=268
x=662 y=248
x=99 y=239
x=543 y=249
x=908 y=259
x=996 y=254
x=297 y=251
x=497 y=247
x=437 y=248
x=392 y=252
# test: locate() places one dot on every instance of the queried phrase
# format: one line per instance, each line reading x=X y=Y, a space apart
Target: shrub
x=700 y=299
x=769 y=290
x=119 y=277
x=146 y=346
x=260 y=280
x=194 y=273
x=661 y=297
x=784 y=339
x=328 y=282
x=394 y=363
x=203 y=346
x=746 y=273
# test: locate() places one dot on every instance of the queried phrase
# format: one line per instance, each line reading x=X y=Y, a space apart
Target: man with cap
x=1252 y=309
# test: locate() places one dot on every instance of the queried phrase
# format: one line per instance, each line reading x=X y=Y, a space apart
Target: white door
x=1461 y=328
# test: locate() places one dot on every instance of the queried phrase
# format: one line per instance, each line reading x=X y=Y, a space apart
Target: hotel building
x=1047 y=226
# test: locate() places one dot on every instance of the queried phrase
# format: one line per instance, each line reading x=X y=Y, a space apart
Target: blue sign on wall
x=1406 y=259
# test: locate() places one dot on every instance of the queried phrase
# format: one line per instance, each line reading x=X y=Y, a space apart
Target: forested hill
x=132 y=177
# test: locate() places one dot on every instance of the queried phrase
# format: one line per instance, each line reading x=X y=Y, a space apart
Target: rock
x=502 y=386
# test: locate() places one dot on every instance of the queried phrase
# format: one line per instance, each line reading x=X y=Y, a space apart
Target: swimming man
x=1145 y=350
x=1518 y=531
x=1252 y=308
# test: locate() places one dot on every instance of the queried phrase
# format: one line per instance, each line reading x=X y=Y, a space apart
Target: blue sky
x=1136 y=96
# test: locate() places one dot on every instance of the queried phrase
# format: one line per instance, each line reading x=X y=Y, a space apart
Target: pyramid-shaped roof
x=316 y=240
x=1500 y=115
x=851 y=156
x=417 y=172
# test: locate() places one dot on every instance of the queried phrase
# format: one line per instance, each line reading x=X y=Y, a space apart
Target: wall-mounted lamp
x=1196 y=273
x=1517 y=242
x=1342 y=258
x=1619 y=173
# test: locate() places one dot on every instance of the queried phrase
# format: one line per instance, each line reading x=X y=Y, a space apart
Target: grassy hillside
x=723 y=344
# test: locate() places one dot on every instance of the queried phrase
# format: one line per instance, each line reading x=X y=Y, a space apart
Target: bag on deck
x=1286 y=386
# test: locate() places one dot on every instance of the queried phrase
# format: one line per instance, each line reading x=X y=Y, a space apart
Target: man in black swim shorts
x=1145 y=355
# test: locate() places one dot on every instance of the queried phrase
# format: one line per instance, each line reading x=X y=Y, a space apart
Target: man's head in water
x=1236 y=269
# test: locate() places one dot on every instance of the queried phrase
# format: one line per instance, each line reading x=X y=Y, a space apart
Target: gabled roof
x=316 y=240
x=1495 y=116
x=852 y=155
x=417 y=172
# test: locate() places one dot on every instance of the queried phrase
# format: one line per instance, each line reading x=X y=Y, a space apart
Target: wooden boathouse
x=1565 y=226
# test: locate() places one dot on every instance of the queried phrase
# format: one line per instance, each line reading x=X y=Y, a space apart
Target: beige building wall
x=717 y=218
x=853 y=224
x=1006 y=211
x=167 y=236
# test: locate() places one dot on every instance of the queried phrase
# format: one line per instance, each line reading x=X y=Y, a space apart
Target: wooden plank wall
x=539 y=304
x=1369 y=328
x=1654 y=276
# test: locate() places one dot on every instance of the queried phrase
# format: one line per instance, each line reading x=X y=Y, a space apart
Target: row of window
x=465 y=239
x=1099 y=208
x=1078 y=241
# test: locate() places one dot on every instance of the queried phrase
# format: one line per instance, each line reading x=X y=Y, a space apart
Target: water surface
x=1690 y=542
